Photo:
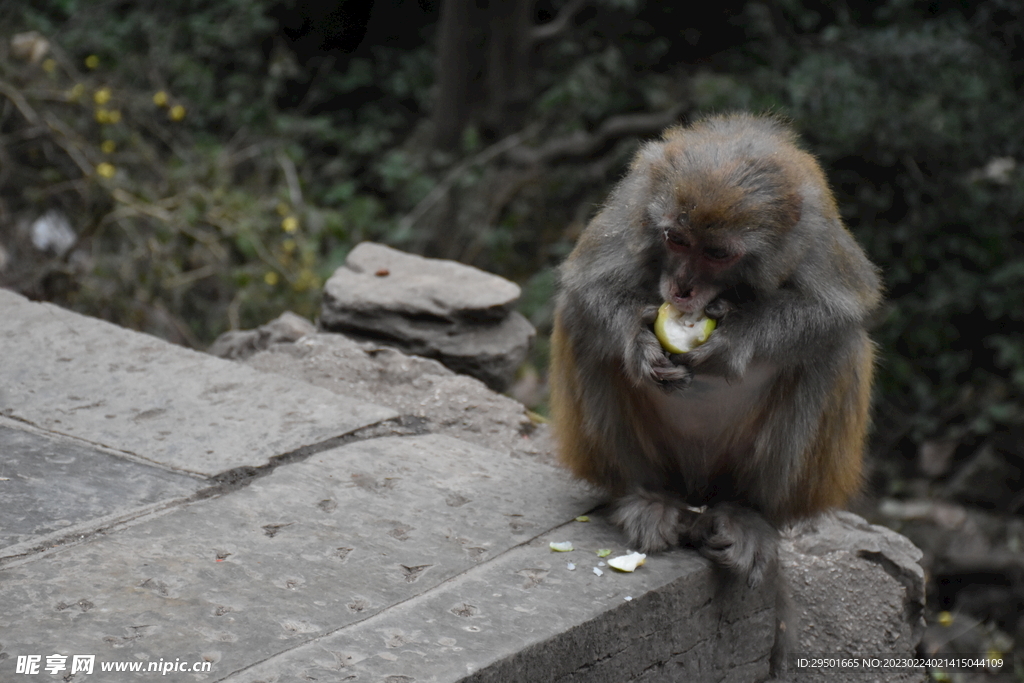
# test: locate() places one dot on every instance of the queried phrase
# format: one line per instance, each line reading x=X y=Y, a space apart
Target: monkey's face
x=698 y=263
x=718 y=215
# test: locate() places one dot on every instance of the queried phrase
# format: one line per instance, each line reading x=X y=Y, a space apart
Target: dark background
x=489 y=132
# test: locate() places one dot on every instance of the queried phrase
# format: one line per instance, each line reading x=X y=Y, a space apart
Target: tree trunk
x=508 y=64
x=455 y=73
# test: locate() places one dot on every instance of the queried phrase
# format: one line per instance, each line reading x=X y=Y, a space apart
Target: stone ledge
x=188 y=411
x=414 y=558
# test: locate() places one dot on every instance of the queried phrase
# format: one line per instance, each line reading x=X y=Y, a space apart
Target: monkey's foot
x=651 y=521
x=737 y=539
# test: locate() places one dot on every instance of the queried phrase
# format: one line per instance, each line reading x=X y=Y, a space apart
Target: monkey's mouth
x=688 y=300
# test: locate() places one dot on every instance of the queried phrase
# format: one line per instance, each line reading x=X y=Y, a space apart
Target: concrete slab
x=50 y=484
x=397 y=559
x=309 y=549
x=75 y=375
x=525 y=616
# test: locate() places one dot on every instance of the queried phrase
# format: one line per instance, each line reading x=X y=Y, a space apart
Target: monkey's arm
x=606 y=326
x=607 y=305
x=786 y=328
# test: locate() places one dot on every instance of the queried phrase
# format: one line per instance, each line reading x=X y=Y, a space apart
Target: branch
x=445 y=186
x=559 y=24
x=65 y=138
x=15 y=96
x=582 y=144
x=291 y=176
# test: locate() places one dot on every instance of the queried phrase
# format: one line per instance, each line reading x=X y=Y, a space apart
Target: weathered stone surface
x=309 y=549
x=422 y=556
x=83 y=377
x=412 y=558
x=439 y=309
x=376 y=277
x=525 y=616
x=51 y=485
x=240 y=344
x=858 y=591
x=429 y=395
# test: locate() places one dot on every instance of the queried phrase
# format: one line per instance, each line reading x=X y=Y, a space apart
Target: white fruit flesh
x=680 y=332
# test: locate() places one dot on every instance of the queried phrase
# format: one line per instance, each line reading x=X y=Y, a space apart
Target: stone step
x=162 y=507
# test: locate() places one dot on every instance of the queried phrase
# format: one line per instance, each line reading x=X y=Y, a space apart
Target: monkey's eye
x=717 y=254
x=683 y=218
x=676 y=238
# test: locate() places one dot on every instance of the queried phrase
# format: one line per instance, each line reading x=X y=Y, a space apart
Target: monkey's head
x=730 y=199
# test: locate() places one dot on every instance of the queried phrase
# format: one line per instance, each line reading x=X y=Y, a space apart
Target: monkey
x=765 y=422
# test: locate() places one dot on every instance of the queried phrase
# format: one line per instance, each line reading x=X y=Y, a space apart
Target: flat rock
x=434 y=308
x=399 y=556
x=308 y=549
x=164 y=403
x=377 y=277
x=50 y=485
x=527 y=616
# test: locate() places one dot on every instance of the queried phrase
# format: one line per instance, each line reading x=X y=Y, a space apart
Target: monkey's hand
x=719 y=308
x=648 y=361
x=720 y=356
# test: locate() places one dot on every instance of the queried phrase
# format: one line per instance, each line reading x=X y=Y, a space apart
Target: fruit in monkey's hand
x=680 y=332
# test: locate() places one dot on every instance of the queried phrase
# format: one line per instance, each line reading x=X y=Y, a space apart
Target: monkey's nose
x=683 y=296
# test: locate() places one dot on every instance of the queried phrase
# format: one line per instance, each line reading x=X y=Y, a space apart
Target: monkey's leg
x=652 y=521
x=738 y=539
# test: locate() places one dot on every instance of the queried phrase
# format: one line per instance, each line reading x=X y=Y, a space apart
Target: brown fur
x=764 y=423
x=797 y=290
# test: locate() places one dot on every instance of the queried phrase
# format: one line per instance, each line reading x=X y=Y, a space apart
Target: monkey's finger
x=649 y=314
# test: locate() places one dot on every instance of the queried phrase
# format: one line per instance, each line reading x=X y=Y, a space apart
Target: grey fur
x=739 y=540
x=652 y=521
x=731 y=424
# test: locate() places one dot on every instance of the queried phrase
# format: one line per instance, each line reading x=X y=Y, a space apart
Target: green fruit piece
x=680 y=332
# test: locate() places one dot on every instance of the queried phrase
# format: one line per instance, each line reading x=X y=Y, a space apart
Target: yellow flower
x=113 y=116
x=160 y=99
x=50 y=65
x=108 y=146
x=92 y=61
x=945 y=619
x=102 y=115
x=270 y=278
x=307 y=279
x=177 y=112
x=290 y=224
x=101 y=96
x=106 y=170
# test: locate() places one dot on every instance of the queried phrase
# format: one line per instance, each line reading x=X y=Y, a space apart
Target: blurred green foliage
x=219 y=213
x=919 y=126
x=914 y=108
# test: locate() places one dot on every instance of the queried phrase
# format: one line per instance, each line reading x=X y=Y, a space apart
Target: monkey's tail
x=786 y=627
